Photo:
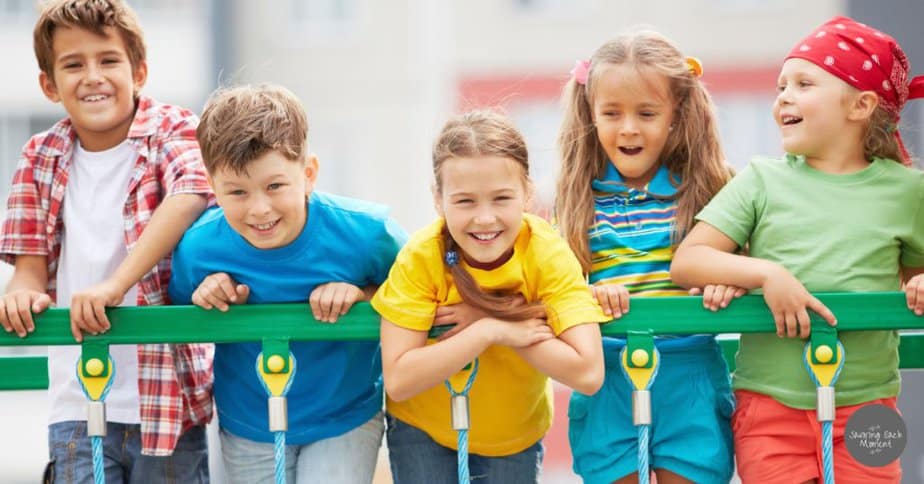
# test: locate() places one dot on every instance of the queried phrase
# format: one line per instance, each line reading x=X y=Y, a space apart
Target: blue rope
x=644 y=472
x=99 y=477
x=96 y=441
x=279 y=454
x=462 y=441
x=279 y=438
x=827 y=433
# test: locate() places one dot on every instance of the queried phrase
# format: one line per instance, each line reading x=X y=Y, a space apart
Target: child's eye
x=464 y=201
x=111 y=61
x=503 y=198
x=71 y=65
x=804 y=84
x=274 y=186
x=237 y=193
x=648 y=114
x=780 y=87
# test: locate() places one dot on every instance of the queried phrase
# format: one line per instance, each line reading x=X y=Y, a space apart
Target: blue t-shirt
x=338 y=385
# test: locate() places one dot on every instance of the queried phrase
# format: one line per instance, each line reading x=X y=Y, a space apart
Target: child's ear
x=49 y=89
x=863 y=106
x=311 y=173
x=140 y=75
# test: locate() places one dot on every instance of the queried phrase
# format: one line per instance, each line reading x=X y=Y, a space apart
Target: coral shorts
x=778 y=444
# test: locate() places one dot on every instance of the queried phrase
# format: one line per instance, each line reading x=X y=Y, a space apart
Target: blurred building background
x=379 y=78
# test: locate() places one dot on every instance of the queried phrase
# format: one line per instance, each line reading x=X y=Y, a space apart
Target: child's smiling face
x=482 y=199
x=266 y=204
x=96 y=83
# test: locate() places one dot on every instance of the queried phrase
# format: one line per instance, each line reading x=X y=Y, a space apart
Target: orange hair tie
x=695 y=67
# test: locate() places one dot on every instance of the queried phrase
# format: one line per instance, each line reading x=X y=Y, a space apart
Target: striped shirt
x=630 y=240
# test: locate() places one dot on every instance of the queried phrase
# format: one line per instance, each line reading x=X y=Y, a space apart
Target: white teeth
x=791 y=119
x=265 y=226
x=483 y=236
x=95 y=97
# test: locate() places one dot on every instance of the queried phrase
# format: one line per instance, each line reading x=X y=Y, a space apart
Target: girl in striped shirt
x=640 y=157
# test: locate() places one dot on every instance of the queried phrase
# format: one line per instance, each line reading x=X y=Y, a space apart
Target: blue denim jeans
x=345 y=459
x=71 y=456
x=416 y=458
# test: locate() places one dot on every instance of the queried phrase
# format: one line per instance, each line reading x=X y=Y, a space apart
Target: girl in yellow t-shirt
x=521 y=302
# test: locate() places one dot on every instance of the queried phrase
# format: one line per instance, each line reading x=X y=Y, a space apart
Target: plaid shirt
x=174 y=381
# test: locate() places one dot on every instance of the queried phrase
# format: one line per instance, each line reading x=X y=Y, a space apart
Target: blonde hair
x=477 y=134
x=691 y=151
x=240 y=124
x=91 y=15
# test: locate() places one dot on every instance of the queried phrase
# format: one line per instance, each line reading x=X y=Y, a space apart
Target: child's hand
x=519 y=334
x=788 y=300
x=88 y=308
x=914 y=294
x=718 y=296
x=463 y=315
x=332 y=300
x=613 y=298
x=16 y=310
x=218 y=291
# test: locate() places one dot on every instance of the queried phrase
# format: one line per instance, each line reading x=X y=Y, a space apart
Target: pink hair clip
x=580 y=71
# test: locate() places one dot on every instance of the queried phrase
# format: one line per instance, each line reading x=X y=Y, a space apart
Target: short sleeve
x=387 y=244
x=733 y=211
x=913 y=246
x=182 y=280
x=24 y=226
x=562 y=289
x=408 y=297
x=180 y=158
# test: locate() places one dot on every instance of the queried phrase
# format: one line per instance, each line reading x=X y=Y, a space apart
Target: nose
x=94 y=73
x=629 y=126
x=260 y=205
x=485 y=216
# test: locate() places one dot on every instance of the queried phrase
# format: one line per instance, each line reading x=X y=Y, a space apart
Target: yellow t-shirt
x=510 y=401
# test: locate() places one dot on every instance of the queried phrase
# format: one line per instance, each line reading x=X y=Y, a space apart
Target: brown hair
x=879 y=139
x=691 y=151
x=240 y=124
x=476 y=134
x=91 y=15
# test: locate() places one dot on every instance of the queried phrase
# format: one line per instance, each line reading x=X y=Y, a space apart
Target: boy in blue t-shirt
x=273 y=240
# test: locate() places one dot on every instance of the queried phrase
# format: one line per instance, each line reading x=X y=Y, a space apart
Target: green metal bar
x=23 y=373
x=31 y=372
x=676 y=315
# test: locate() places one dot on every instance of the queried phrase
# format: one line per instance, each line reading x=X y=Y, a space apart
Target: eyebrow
x=78 y=55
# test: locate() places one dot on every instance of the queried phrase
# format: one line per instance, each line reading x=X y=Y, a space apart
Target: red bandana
x=865 y=58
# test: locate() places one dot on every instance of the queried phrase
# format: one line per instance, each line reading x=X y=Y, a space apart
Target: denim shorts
x=345 y=459
x=690 y=434
x=417 y=458
x=71 y=456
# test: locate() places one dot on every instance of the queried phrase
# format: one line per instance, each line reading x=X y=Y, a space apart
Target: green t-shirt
x=835 y=233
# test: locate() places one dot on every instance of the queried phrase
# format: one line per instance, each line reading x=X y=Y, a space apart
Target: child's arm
x=168 y=223
x=410 y=366
x=575 y=358
x=913 y=279
x=706 y=257
x=25 y=294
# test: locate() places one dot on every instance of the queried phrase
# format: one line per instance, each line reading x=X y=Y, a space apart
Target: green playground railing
x=293 y=322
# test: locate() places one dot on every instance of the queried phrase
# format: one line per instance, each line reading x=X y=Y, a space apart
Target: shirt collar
x=664 y=184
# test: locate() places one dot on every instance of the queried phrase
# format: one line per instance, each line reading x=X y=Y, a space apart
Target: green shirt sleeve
x=913 y=247
x=733 y=211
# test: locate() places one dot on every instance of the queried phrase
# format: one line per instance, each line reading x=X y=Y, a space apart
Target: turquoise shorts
x=691 y=404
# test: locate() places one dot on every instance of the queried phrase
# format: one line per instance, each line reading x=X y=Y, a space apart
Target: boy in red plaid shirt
x=97 y=204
